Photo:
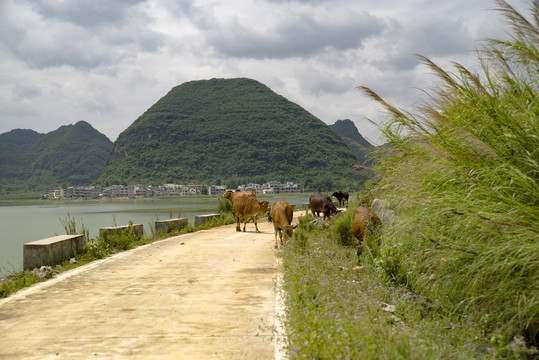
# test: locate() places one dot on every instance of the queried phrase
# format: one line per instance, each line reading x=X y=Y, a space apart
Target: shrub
x=97 y=248
x=125 y=240
x=342 y=227
x=225 y=206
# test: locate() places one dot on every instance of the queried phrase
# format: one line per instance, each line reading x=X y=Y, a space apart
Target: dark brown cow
x=319 y=203
x=342 y=197
x=282 y=215
x=364 y=221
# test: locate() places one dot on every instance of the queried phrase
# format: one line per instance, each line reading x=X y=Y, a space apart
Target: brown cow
x=364 y=221
x=230 y=195
x=282 y=215
x=245 y=204
x=319 y=203
x=251 y=209
x=233 y=197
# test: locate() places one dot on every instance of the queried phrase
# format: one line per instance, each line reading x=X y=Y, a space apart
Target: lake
x=25 y=223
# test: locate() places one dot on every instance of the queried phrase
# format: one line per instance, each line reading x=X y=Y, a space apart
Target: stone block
x=138 y=229
x=168 y=225
x=52 y=251
x=201 y=219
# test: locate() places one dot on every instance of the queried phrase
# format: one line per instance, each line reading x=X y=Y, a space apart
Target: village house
x=166 y=190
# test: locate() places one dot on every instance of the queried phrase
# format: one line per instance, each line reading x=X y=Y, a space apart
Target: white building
x=216 y=190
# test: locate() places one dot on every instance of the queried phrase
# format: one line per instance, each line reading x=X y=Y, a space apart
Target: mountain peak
x=355 y=141
x=222 y=129
x=71 y=154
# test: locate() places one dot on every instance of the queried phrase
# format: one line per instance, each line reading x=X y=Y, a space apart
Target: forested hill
x=355 y=141
x=72 y=154
x=224 y=130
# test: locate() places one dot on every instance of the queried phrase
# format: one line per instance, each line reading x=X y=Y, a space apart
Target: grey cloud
x=319 y=82
x=63 y=38
x=97 y=104
x=298 y=35
x=22 y=92
x=300 y=1
x=435 y=37
x=86 y=13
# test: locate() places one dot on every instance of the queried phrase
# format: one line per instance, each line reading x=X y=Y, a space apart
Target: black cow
x=341 y=197
x=319 y=203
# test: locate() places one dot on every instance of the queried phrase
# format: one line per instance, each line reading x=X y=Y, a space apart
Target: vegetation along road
x=204 y=295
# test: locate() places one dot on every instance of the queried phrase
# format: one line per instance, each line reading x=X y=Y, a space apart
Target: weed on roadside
x=340 y=308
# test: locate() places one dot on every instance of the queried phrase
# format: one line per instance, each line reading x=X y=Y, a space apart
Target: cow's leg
x=238 y=228
x=256 y=226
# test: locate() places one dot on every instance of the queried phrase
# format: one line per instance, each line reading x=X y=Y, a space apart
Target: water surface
x=20 y=224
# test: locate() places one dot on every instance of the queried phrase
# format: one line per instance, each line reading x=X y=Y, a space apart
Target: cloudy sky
x=107 y=61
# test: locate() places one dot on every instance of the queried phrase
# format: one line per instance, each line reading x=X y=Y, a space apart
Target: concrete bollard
x=138 y=229
x=201 y=219
x=51 y=251
x=167 y=226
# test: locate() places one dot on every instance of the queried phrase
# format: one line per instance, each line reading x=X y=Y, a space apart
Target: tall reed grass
x=462 y=174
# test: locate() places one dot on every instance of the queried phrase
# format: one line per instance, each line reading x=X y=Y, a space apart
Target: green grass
x=339 y=306
x=336 y=307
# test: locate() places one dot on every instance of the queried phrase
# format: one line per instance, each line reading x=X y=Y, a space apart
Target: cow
x=282 y=215
x=233 y=195
x=245 y=204
x=319 y=203
x=341 y=197
x=251 y=209
x=364 y=221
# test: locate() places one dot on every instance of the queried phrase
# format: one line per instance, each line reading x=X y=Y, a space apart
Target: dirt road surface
x=204 y=295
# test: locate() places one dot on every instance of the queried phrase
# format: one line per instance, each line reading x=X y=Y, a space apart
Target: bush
x=225 y=206
x=126 y=240
x=97 y=248
x=342 y=227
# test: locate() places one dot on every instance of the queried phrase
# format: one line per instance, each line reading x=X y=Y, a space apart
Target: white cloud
x=107 y=62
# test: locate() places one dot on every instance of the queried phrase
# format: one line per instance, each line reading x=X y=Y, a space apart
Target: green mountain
x=230 y=131
x=73 y=154
x=355 y=141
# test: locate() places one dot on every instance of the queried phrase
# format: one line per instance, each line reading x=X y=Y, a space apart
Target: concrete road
x=204 y=295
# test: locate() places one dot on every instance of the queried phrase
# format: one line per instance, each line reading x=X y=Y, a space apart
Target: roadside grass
x=342 y=307
x=101 y=247
x=461 y=174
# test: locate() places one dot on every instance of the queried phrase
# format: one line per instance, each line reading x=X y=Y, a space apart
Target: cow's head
x=263 y=206
x=287 y=230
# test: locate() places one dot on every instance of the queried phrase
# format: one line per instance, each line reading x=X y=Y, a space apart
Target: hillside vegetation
x=230 y=131
x=71 y=155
